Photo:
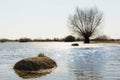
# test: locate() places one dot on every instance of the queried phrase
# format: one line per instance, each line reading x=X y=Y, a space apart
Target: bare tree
x=85 y=22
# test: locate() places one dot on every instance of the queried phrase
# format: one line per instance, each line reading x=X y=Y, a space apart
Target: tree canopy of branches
x=86 y=22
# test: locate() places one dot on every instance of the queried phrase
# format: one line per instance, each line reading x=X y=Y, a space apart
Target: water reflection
x=26 y=74
x=88 y=65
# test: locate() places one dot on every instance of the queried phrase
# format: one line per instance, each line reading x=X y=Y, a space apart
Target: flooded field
x=83 y=62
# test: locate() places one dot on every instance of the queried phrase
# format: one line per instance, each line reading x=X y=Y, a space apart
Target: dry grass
x=107 y=41
x=35 y=63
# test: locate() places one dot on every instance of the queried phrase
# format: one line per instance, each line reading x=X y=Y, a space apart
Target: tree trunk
x=86 y=40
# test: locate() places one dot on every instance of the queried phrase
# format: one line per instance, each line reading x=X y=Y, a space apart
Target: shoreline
x=107 y=41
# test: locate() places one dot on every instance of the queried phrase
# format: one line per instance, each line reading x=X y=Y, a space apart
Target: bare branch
x=85 y=22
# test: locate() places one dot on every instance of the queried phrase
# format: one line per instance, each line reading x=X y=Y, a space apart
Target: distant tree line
x=68 y=38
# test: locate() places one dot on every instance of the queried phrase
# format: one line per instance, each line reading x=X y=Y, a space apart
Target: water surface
x=84 y=62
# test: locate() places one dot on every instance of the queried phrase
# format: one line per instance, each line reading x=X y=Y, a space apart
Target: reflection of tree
x=86 y=64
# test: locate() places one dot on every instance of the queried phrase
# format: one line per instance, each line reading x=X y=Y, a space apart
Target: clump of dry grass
x=75 y=44
x=41 y=55
x=35 y=63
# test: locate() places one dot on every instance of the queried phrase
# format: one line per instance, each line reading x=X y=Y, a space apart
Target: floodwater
x=84 y=62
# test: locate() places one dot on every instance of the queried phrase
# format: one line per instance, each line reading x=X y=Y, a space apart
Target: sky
x=49 y=18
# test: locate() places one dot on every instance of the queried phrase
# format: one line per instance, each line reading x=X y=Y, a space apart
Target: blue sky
x=49 y=18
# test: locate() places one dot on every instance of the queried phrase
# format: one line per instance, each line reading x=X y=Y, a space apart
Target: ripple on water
x=83 y=62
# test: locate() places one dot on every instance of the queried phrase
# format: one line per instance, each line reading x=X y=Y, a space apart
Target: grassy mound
x=75 y=44
x=35 y=64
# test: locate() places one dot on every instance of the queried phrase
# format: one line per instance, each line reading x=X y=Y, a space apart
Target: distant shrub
x=4 y=40
x=24 y=40
x=69 y=38
x=79 y=39
x=102 y=37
